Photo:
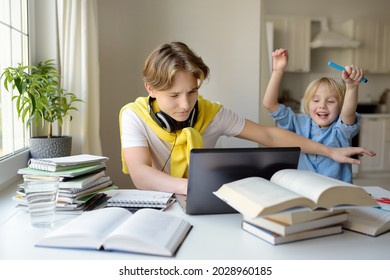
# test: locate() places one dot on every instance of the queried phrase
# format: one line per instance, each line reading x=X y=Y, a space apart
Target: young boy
x=330 y=118
x=158 y=131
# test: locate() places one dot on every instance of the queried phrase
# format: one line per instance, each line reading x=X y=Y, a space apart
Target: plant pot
x=57 y=146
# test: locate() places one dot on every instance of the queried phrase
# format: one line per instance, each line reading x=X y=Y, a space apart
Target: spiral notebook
x=66 y=163
x=135 y=198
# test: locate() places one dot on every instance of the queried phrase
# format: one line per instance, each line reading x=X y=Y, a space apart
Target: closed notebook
x=66 y=163
x=139 y=198
x=83 y=182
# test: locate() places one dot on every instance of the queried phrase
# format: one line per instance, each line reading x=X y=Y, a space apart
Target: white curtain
x=79 y=68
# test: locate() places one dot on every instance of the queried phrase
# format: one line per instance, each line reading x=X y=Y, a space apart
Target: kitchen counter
x=375 y=135
x=375 y=116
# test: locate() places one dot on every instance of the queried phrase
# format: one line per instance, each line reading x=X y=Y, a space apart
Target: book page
x=326 y=192
x=306 y=183
x=255 y=196
x=86 y=231
x=149 y=231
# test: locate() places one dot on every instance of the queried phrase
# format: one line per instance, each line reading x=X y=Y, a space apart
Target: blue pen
x=341 y=68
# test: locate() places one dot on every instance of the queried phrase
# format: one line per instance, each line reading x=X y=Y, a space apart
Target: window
x=14 y=49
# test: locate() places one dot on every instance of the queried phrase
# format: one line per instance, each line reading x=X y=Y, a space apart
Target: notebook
x=66 y=163
x=209 y=169
x=138 y=198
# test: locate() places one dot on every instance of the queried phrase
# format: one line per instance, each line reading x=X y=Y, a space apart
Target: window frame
x=9 y=167
x=13 y=161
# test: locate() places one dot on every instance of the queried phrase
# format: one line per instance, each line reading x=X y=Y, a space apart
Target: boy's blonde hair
x=167 y=59
x=339 y=89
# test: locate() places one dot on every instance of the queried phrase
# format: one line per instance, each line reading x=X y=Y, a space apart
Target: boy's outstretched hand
x=344 y=155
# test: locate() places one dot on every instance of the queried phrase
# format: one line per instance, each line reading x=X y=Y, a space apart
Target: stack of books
x=294 y=204
x=82 y=181
x=295 y=226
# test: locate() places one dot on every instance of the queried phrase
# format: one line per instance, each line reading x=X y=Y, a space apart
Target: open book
x=369 y=220
x=147 y=231
x=289 y=189
x=372 y=221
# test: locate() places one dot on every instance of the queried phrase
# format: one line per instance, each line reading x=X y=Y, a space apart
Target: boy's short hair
x=339 y=89
x=167 y=59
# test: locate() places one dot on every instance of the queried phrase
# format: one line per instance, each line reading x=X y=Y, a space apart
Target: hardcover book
x=291 y=189
x=275 y=238
x=285 y=229
x=297 y=217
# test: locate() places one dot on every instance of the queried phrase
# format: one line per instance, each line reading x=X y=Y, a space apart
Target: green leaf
x=40 y=98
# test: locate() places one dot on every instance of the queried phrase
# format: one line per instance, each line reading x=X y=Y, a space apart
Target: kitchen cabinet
x=293 y=34
x=375 y=135
x=374 y=36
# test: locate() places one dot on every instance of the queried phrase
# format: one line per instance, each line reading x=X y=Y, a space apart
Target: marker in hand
x=341 y=68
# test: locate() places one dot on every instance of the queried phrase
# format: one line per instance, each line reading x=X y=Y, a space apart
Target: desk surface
x=213 y=237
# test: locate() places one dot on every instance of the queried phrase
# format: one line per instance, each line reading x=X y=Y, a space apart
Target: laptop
x=209 y=169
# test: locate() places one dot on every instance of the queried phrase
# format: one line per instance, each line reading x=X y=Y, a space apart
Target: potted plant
x=40 y=99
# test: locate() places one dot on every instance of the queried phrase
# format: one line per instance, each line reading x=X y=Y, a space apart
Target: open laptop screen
x=209 y=169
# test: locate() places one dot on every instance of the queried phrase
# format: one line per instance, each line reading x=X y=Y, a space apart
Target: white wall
x=337 y=10
x=226 y=33
x=42 y=25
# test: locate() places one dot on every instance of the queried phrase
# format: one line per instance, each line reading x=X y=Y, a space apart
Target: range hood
x=327 y=38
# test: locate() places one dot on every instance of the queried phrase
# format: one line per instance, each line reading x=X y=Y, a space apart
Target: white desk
x=213 y=237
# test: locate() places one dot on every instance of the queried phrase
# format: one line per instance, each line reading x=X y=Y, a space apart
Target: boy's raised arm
x=280 y=60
